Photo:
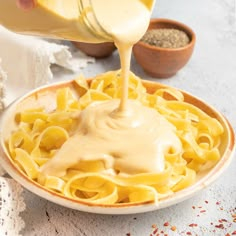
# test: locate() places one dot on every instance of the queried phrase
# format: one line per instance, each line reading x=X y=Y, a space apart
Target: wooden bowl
x=161 y=62
x=45 y=96
x=97 y=50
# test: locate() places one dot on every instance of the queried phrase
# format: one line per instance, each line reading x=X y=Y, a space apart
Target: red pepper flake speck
x=128 y=234
x=211 y=223
x=173 y=228
x=217 y=203
x=189 y=233
x=200 y=207
x=165 y=234
x=155 y=231
x=162 y=232
x=154 y=226
x=193 y=207
x=202 y=211
x=206 y=202
x=193 y=225
x=221 y=208
x=234 y=233
x=166 y=224
x=227 y=234
x=220 y=226
x=222 y=220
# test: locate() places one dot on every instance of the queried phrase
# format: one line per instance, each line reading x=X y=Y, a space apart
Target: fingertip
x=26 y=4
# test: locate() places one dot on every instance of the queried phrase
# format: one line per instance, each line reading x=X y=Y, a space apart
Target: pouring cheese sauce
x=126 y=136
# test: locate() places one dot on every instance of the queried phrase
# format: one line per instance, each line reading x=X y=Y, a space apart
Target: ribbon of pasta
x=105 y=189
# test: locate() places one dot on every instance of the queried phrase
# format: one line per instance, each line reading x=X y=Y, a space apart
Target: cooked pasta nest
x=41 y=132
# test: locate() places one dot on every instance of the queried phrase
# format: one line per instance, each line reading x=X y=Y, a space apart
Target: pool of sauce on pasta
x=127 y=137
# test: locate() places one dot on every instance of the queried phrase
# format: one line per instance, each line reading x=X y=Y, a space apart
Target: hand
x=25 y=4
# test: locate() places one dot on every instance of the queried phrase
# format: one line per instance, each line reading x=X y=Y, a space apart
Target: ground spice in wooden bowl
x=165 y=48
x=166 y=38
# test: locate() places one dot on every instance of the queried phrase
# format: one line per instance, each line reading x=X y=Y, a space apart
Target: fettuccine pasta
x=41 y=133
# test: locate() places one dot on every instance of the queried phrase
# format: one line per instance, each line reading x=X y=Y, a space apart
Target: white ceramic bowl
x=226 y=149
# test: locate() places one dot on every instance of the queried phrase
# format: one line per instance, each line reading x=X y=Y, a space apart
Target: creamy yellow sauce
x=126 y=136
x=130 y=144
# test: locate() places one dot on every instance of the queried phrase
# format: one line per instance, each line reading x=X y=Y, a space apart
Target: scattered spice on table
x=223 y=220
x=155 y=231
x=221 y=224
x=166 y=38
x=193 y=225
x=234 y=218
x=166 y=224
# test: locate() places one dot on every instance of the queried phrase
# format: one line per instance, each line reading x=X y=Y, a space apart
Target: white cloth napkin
x=26 y=61
x=25 y=64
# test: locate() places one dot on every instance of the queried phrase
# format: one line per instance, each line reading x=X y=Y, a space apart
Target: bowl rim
x=175 y=23
x=177 y=197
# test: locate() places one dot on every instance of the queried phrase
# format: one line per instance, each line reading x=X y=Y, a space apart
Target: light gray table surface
x=210 y=75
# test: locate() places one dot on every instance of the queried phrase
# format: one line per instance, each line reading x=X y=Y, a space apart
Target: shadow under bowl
x=161 y=62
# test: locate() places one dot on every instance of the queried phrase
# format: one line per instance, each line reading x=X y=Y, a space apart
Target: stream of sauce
x=127 y=24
